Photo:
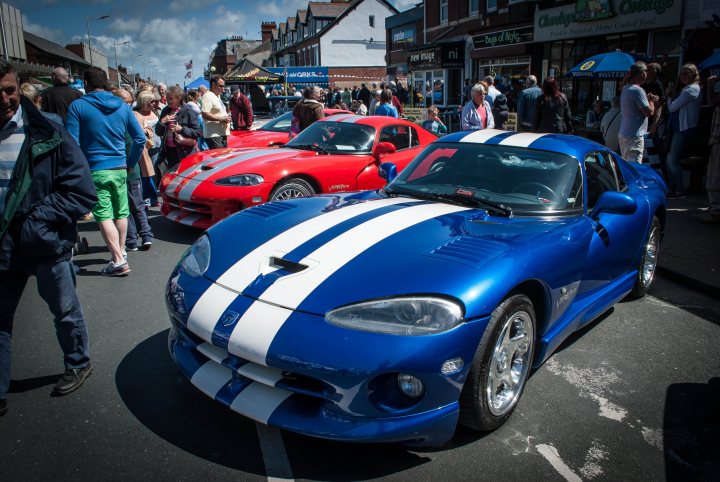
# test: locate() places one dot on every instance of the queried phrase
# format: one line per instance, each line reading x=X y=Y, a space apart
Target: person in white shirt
x=216 y=128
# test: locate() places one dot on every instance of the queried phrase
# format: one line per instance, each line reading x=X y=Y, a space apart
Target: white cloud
x=54 y=35
x=123 y=25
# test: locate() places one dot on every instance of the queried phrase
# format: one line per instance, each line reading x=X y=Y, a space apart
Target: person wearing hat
x=500 y=111
x=635 y=108
x=240 y=110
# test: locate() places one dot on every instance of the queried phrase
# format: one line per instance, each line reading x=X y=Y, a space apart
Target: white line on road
x=277 y=465
x=551 y=454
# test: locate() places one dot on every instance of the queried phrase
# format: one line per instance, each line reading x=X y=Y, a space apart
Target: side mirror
x=613 y=202
x=387 y=170
x=383 y=149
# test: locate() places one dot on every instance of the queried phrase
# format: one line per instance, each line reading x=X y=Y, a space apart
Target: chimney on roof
x=266 y=29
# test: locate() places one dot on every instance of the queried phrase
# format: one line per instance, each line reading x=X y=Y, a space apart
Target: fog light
x=451 y=367
x=410 y=385
x=256 y=199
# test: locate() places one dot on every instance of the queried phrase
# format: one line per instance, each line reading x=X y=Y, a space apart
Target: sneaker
x=129 y=247
x=147 y=242
x=71 y=380
x=3 y=407
x=676 y=195
x=113 y=269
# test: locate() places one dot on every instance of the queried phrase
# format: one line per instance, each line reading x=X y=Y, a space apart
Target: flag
x=188 y=65
x=188 y=74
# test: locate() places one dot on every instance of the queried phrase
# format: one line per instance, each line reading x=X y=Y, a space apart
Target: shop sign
x=425 y=59
x=453 y=55
x=588 y=18
x=403 y=36
x=506 y=37
x=302 y=75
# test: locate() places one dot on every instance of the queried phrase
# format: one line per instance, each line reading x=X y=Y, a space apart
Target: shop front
x=436 y=75
x=505 y=55
x=565 y=36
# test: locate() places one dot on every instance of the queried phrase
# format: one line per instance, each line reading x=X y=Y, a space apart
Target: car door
x=618 y=237
x=407 y=144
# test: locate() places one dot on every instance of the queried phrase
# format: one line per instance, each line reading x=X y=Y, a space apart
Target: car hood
x=257 y=138
x=236 y=161
x=315 y=254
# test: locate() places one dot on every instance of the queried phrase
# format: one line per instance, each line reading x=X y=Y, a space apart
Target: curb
x=693 y=283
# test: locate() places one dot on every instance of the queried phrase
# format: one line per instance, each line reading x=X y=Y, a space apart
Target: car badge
x=464 y=192
x=229 y=318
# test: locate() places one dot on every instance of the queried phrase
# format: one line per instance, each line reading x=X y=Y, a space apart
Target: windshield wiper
x=310 y=147
x=456 y=198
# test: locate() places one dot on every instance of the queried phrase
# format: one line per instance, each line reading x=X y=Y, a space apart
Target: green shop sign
x=589 y=18
x=506 y=37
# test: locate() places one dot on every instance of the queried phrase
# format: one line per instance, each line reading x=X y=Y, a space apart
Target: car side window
x=601 y=176
x=414 y=141
x=399 y=136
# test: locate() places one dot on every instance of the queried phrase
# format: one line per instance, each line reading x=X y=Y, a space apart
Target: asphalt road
x=635 y=396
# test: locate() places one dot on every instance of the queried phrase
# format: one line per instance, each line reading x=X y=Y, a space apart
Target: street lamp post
x=117 y=70
x=132 y=67
x=87 y=22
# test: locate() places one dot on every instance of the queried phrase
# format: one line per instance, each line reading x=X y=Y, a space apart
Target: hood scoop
x=287 y=265
x=205 y=167
x=474 y=252
x=267 y=211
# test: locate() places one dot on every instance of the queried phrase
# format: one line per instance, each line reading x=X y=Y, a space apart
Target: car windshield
x=335 y=137
x=278 y=124
x=513 y=179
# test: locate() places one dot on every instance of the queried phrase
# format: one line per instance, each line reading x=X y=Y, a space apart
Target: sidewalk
x=690 y=251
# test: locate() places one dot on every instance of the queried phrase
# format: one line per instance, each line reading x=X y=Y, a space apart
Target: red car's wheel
x=292 y=188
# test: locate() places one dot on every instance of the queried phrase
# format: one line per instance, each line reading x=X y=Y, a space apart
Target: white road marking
x=277 y=465
x=551 y=455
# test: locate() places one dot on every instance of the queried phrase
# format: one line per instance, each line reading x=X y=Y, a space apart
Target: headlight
x=401 y=316
x=240 y=180
x=197 y=258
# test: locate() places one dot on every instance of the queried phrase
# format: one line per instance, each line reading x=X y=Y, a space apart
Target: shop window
x=474 y=6
x=443 y=11
x=491 y=5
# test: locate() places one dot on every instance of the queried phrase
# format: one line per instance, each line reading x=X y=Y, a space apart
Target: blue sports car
x=394 y=315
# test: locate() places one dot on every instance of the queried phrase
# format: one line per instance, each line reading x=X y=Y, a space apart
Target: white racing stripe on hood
x=256 y=329
x=190 y=170
x=185 y=193
x=213 y=303
x=482 y=135
x=522 y=139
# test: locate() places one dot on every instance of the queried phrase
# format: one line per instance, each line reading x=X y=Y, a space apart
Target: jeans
x=138 y=221
x=674 y=169
x=216 y=142
x=56 y=285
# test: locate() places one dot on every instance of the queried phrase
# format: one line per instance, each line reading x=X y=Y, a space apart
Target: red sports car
x=341 y=153
x=273 y=133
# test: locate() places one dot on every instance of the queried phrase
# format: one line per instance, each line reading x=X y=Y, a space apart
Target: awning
x=247 y=72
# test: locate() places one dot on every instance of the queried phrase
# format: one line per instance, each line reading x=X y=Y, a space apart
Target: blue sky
x=166 y=33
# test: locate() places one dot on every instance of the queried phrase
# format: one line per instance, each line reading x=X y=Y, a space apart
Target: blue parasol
x=711 y=64
x=603 y=66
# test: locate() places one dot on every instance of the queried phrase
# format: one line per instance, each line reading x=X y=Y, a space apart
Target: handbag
x=182 y=141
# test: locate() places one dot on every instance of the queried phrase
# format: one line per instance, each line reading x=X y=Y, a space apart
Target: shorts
x=111 y=187
x=631 y=148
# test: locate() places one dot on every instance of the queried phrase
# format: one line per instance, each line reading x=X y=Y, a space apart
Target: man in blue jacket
x=98 y=121
x=45 y=187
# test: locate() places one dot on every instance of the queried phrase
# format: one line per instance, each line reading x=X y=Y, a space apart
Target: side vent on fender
x=269 y=210
x=473 y=252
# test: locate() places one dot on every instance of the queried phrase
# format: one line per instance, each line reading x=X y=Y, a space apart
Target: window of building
x=444 y=11
x=491 y=5
x=372 y=21
x=474 y=6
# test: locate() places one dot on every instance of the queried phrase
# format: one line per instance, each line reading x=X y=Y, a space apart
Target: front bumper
x=329 y=382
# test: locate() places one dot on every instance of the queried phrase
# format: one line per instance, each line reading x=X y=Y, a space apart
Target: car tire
x=292 y=188
x=648 y=262
x=501 y=366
